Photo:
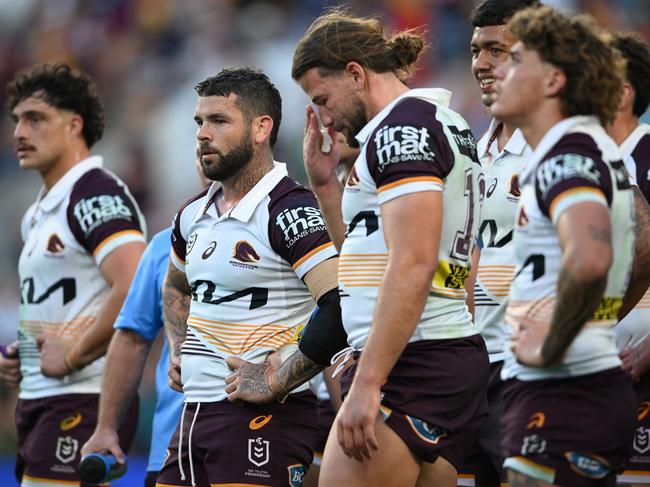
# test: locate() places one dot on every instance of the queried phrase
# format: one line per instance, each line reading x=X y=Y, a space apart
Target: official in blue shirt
x=137 y=326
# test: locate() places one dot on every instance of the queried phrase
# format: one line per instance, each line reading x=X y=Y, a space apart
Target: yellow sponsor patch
x=450 y=276
x=296 y=337
x=71 y=422
x=608 y=309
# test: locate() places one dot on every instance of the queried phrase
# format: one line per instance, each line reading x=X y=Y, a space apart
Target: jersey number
x=462 y=246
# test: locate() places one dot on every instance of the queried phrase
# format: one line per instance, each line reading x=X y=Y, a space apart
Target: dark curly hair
x=594 y=69
x=637 y=54
x=337 y=37
x=64 y=88
x=497 y=12
x=256 y=95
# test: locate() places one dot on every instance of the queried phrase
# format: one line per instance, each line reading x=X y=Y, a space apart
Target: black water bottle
x=100 y=469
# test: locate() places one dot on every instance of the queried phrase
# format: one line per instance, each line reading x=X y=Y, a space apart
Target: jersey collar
x=515 y=145
x=247 y=205
x=437 y=96
x=47 y=201
x=632 y=140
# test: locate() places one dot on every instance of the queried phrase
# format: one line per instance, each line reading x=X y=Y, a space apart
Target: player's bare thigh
x=441 y=473
x=392 y=466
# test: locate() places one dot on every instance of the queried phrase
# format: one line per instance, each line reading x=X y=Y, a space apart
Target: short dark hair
x=64 y=88
x=499 y=12
x=637 y=54
x=338 y=37
x=256 y=95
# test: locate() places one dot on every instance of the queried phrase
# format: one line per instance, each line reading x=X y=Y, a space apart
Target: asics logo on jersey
x=71 y=422
x=93 y=211
x=259 y=422
x=208 y=252
x=244 y=252
x=299 y=222
x=492 y=187
x=566 y=166
x=537 y=420
x=402 y=143
x=54 y=244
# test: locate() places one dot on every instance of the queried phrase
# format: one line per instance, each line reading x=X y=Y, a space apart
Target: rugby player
x=568 y=407
x=633 y=139
x=411 y=208
x=502 y=151
x=83 y=238
x=137 y=326
x=250 y=257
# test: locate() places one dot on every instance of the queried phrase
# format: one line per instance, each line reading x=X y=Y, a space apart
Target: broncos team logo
x=71 y=422
x=54 y=244
x=244 y=252
x=537 y=420
x=642 y=410
x=353 y=178
x=515 y=189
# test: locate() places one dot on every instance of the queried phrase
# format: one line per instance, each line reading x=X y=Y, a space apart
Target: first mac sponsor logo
x=402 y=143
x=299 y=222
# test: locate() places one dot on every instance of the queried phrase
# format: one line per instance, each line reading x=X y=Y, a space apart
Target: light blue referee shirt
x=142 y=312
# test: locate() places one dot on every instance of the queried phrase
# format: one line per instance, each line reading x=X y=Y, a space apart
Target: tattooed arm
x=585 y=236
x=640 y=278
x=176 y=309
x=262 y=383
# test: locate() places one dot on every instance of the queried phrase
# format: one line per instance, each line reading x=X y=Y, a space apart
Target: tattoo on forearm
x=640 y=275
x=176 y=308
x=575 y=304
x=600 y=234
x=296 y=370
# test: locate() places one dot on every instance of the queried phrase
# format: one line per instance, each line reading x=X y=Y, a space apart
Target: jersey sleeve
x=180 y=240
x=103 y=215
x=142 y=308
x=573 y=172
x=409 y=151
x=297 y=230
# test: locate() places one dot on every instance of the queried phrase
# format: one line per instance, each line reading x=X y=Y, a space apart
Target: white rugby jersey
x=636 y=154
x=414 y=144
x=245 y=268
x=575 y=162
x=67 y=233
x=496 y=266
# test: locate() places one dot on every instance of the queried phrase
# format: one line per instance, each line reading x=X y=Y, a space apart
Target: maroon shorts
x=52 y=430
x=434 y=398
x=485 y=460
x=326 y=415
x=637 y=470
x=572 y=432
x=243 y=444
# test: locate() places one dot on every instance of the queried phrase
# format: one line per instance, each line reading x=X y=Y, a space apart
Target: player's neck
x=503 y=134
x=539 y=123
x=236 y=187
x=54 y=172
x=383 y=89
x=623 y=125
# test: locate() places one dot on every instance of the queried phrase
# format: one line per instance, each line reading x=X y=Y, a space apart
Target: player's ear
x=76 y=125
x=627 y=96
x=262 y=127
x=357 y=73
x=554 y=82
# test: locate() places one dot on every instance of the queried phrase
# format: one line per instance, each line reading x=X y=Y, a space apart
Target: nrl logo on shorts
x=66 y=449
x=642 y=439
x=258 y=451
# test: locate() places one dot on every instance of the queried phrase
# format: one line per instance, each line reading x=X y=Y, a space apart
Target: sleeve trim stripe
x=114 y=236
x=313 y=252
x=177 y=257
x=415 y=179
x=569 y=192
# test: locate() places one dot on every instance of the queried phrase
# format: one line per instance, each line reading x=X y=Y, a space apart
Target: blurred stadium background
x=146 y=56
